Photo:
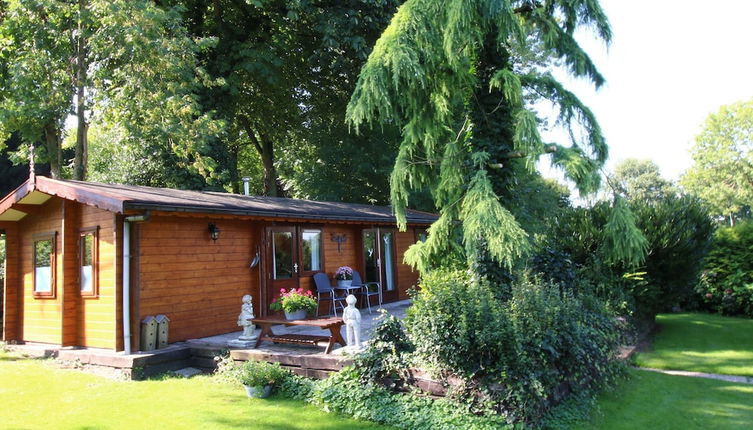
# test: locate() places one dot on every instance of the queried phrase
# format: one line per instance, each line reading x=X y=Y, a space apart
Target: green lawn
x=702 y=343
x=651 y=400
x=35 y=394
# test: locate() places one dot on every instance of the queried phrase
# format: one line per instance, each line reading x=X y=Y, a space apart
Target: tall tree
x=288 y=69
x=126 y=62
x=722 y=170
x=461 y=79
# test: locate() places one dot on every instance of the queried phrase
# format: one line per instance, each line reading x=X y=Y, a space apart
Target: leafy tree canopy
x=640 y=180
x=287 y=69
x=722 y=171
x=126 y=63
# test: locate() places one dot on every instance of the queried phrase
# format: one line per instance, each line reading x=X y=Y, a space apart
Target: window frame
x=94 y=231
x=52 y=237
x=301 y=229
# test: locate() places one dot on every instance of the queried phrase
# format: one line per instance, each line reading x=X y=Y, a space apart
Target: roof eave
x=260 y=213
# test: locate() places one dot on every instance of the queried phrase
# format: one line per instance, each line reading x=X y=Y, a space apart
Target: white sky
x=670 y=64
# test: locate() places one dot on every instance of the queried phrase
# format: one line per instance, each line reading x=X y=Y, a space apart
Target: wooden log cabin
x=80 y=253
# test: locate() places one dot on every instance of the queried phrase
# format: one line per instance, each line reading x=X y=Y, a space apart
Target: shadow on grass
x=279 y=413
x=702 y=343
x=657 y=401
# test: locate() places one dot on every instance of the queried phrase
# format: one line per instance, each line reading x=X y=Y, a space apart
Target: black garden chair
x=324 y=291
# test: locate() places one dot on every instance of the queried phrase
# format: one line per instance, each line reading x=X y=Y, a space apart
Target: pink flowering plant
x=344 y=273
x=294 y=300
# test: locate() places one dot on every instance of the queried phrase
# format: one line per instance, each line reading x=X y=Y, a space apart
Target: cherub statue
x=247 y=313
x=352 y=320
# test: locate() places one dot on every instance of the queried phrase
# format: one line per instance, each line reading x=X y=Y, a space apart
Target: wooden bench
x=333 y=324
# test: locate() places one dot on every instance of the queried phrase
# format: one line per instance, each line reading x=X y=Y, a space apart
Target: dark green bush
x=519 y=357
x=345 y=393
x=679 y=231
x=386 y=360
x=727 y=282
x=459 y=327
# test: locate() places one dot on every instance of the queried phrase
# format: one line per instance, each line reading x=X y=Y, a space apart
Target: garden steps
x=302 y=362
x=138 y=365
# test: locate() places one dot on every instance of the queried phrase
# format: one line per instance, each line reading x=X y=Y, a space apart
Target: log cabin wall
x=96 y=316
x=407 y=278
x=197 y=282
x=12 y=288
x=41 y=317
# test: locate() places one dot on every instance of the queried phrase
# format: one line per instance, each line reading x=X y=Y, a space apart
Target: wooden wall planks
x=198 y=283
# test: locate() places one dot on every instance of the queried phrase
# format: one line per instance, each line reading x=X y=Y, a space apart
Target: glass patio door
x=379 y=260
x=282 y=266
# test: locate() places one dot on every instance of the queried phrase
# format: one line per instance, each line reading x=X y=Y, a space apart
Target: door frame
x=387 y=295
x=268 y=289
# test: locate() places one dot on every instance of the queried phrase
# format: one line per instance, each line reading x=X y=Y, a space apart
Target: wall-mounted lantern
x=214 y=231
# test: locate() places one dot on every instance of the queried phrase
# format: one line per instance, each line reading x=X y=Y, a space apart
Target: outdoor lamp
x=214 y=231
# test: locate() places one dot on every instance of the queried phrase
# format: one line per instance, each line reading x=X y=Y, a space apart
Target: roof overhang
x=33 y=193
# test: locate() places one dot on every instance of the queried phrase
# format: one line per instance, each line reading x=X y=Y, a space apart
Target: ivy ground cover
x=35 y=394
x=701 y=343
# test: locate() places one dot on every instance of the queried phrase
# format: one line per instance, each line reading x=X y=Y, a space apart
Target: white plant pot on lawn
x=258 y=392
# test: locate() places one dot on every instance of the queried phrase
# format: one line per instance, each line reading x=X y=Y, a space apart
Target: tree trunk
x=270 y=172
x=80 y=159
x=52 y=138
x=265 y=148
x=233 y=166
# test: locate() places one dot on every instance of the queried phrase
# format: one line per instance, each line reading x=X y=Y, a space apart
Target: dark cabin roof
x=122 y=198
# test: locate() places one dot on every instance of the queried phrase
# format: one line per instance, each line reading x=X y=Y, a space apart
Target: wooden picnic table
x=333 y=324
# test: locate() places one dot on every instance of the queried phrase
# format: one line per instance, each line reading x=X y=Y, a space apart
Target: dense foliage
x=727 y=282
x=677 y=229
x=516 y=358
x=461 y=79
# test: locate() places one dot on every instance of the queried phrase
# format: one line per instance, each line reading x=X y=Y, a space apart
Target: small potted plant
x=259 y=377
x=344 y=276
x=295 y=303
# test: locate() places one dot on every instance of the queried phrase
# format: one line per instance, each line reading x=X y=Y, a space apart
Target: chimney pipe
x=245 y=185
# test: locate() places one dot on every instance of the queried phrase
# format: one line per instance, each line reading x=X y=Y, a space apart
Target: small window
x=88 y=262
x=44 y=265
x=312 y=250
x=421 y=235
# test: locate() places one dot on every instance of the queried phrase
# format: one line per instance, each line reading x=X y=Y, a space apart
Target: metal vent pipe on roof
x=246 y=180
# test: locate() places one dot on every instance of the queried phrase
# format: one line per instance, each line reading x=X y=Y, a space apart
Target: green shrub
x=679 y=231
x=519 y=357
x=260 y=373
x=345 y=393
x=458 y=326
x=726 y=285
x=251 y=373
x=387 y=358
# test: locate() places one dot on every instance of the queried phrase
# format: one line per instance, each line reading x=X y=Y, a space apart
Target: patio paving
x=368 y=322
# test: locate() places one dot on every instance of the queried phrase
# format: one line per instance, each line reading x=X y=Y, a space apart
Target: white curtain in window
x=43 y=279
x=87 y=281
x=389 y=268
x=313 y=240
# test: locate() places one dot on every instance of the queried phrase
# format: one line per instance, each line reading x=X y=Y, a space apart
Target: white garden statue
x=352 y=320
x=248 y=338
